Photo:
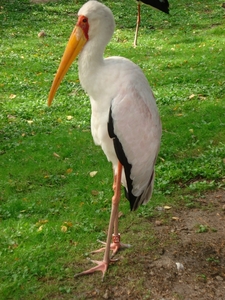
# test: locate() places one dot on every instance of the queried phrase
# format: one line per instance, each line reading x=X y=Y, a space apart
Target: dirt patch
x=193 y=265
x=187 y=261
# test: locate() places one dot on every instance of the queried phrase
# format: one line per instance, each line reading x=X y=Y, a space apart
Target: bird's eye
x=84 y=20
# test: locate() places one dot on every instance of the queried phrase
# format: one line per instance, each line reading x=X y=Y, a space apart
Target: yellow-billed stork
x=125 y=121
x=162 y=5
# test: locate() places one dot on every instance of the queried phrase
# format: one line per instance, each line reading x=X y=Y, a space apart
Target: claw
x=102 y=266
x=115 y=246
x=101 y=249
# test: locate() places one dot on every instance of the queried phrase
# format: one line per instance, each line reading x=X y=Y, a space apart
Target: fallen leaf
x=218 y=196
x=56 y=155
x=175 y=218
x=68 y=171
x=41 y=222
x=68 y=224
x=93 y=173
x=30 y=121
x=12 y=96
x=158 y=223
x=40 y=228
x=94 y=192
x=63 y=228
x=201 y=97
x=167 y=207
x=69 y=118
x=73 y=243
x=41 y=34
x=191 y=96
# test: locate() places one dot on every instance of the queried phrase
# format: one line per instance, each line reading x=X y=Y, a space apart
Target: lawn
x=53 y=207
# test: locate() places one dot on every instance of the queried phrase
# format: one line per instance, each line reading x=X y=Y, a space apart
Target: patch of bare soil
x=187 y=262
x=194 y=266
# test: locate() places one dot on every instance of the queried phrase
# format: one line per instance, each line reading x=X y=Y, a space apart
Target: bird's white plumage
x=120 y=84
x=124 y=122
x=137 y=126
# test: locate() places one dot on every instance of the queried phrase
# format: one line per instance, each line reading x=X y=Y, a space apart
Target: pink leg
x=116 y=245
x=103 y=265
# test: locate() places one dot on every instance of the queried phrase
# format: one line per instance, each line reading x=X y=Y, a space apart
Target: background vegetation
x=51 y=210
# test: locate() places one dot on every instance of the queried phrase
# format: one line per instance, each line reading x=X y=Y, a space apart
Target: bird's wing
x=162 y=5
x=135 y=126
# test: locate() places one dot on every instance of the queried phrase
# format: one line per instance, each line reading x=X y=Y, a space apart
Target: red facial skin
x=83 y=24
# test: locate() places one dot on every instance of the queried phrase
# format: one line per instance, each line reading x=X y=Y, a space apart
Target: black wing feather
x=123 y=160
x=162 y=5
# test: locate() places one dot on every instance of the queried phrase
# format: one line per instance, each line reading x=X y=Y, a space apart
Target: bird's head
x=95 y=23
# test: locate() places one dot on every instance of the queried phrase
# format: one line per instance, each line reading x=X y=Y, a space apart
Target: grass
x=52 y=211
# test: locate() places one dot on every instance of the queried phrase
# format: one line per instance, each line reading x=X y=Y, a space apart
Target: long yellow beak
x=76 y=42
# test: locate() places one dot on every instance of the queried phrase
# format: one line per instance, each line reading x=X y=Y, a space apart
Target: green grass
x=46 y=158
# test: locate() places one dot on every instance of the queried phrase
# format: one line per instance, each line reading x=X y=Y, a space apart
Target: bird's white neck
x=89 y=62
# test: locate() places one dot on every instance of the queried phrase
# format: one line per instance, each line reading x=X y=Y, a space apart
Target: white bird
x=125 y=121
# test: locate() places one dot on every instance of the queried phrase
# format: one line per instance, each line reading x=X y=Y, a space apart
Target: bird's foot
x=102 y=266
x=115 y=246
